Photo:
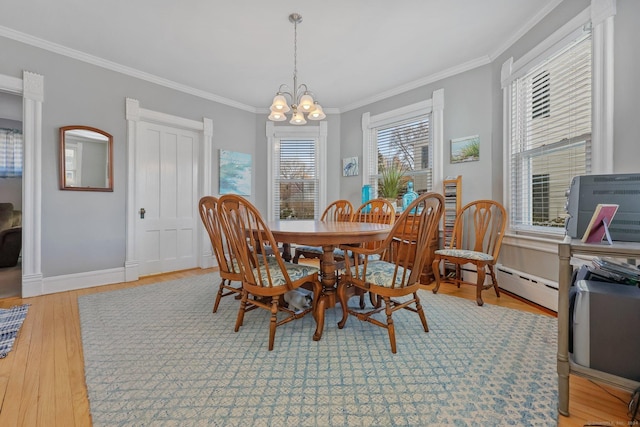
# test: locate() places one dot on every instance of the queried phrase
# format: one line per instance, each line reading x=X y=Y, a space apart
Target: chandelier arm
x=281 y=90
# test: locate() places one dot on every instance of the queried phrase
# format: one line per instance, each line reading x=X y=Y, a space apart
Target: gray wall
x=467 y=111
x=473 y=105
x=86 y=231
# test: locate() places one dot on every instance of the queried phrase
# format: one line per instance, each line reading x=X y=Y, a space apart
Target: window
x=73 y=162
x=10 y=153
x=297 y=180
x=549 y=140
x=296 y=171
x=405 y=138
x=541 y=95
x=404 y=144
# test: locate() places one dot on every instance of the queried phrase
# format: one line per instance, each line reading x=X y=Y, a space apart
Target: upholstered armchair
x=10 y=235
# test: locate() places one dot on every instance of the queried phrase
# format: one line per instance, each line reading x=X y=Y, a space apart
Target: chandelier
x=301 y=98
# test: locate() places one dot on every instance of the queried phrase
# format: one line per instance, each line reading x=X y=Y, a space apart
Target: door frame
x=135 y=115
x=31 y=88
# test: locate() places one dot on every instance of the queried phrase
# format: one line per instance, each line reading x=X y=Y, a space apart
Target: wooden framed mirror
x=86 y=159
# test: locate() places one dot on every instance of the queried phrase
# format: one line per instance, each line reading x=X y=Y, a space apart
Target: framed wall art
x=465 y=149
x=350 y=166
x=235 y=173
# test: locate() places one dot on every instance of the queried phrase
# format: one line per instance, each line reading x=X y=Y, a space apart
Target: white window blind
x=405 y=143
x=550 y=135
x=10 y=153
x=296 y=189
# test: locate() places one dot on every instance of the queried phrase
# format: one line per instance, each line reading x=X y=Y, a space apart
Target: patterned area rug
x=157 y=355
x=10 y=321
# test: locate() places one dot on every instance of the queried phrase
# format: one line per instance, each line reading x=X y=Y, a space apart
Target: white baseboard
x=31 y=285
x=71 y=282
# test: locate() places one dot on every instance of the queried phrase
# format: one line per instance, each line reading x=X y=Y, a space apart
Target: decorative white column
x=33 y=97
x=602 y=13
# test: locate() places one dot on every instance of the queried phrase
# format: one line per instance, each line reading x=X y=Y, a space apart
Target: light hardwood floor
x=42 y=379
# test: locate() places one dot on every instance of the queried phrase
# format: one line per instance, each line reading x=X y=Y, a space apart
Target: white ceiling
x=350 y=52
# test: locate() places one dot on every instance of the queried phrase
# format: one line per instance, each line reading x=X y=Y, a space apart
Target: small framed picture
x=235 y=173
x=350 y=166
x=465 y=149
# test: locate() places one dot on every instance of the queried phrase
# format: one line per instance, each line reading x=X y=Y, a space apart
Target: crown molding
x=524 y=29
x=110 y=65
x=474 y=63
x=113 y=66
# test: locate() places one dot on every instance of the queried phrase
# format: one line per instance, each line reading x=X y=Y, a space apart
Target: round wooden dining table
x=328 y=235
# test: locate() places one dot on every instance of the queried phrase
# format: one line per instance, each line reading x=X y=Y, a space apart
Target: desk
x=566 y=250
x=328 y=235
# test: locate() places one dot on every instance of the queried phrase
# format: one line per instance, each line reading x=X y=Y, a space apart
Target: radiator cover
x=535 y=289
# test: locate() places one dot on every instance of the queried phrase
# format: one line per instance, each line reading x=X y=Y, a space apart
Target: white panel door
x=166 y=188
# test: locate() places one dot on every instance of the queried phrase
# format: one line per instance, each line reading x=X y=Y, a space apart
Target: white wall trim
x=33 y=98
x=539 y=244
x=435 y=106
x=600 y=16
x=274 y=134
x=134 y=114
x=11 y=84
x=207 y=259
x=31 y=88
x=438 y=138
x=602 y=13
x=601 y=10
x=545 y=48
x=89 y=279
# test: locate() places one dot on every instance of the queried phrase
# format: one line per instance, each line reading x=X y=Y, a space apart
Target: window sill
x=538 y=241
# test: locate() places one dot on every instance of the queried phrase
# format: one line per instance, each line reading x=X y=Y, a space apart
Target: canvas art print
x=235 y=173
x=350 y=166
x=465 y=149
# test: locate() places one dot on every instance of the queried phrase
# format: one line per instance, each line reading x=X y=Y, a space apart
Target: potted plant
x=390 y=182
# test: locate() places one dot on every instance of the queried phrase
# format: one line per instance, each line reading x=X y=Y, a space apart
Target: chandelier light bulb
x=280 y=104
x=316 y=113
x=298 y=118
x=306 y=102
x=277 y=116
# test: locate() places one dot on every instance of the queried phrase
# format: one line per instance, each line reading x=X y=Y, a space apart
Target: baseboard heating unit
x=535 y=289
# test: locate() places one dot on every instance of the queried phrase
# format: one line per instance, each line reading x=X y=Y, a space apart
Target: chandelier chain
x=295 y=59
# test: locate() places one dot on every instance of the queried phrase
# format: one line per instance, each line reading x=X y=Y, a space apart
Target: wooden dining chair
x=228 y=268
x=380 y=211
x=264 y=280
x=340 y=210
x=375 y=211
x=392 y=269
x=476 y=239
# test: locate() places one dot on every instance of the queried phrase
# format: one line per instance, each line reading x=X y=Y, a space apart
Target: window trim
x=274 y=135
x=600 y=16
x=433 y=106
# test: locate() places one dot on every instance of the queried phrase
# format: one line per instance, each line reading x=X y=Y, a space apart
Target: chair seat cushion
x=310 y=249
x=236 y=266
x=295 y=271
x=339 y=253
x=461 y=253
x=380 y=273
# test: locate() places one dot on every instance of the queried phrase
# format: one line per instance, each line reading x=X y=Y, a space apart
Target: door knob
x=142 y=211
